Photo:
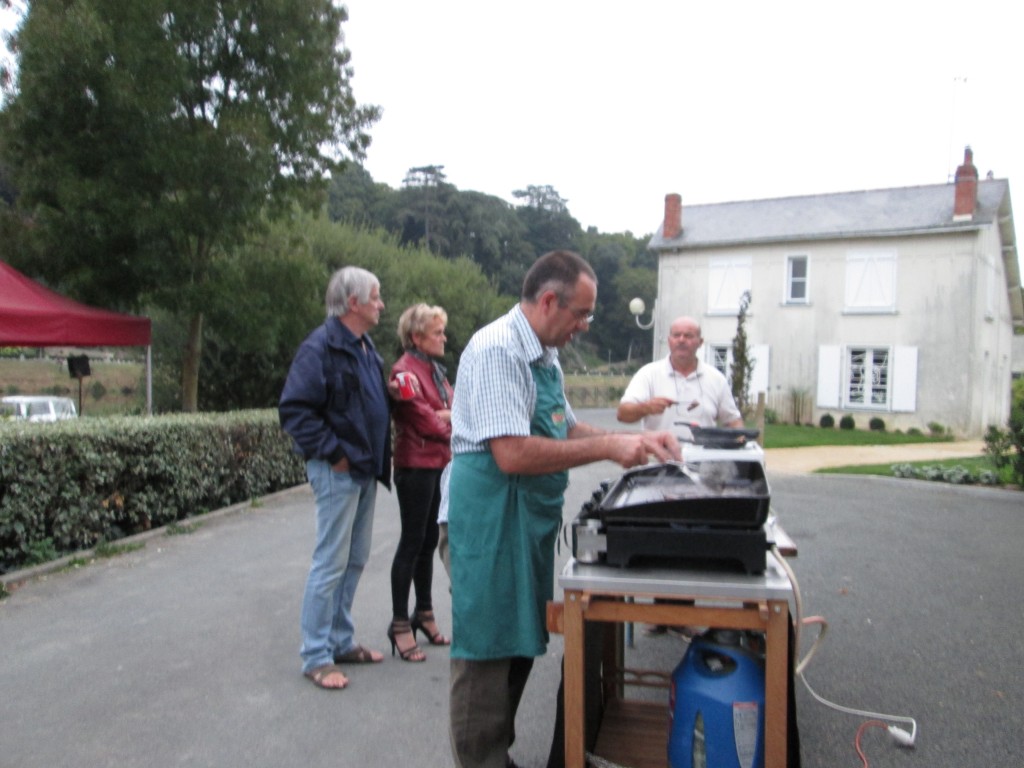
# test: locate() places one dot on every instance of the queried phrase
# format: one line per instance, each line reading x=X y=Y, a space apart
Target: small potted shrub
x=876 y=424
x=846 y=422
x=827 y=421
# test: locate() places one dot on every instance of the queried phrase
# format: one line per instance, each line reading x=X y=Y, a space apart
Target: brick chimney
x=673 y=225
x=966 y=187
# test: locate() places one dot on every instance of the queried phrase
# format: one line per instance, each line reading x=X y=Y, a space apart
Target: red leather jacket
x=422 y=440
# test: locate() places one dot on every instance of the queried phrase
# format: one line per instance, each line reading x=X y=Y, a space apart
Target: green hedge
x=68 y=486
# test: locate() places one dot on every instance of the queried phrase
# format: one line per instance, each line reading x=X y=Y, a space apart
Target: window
x=868 y=376
x=728 y=278
x=876 y=378
x=720 y=359
x=871 y=281
x=796 y=280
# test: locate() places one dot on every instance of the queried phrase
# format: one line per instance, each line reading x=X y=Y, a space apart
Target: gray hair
x=346 y=283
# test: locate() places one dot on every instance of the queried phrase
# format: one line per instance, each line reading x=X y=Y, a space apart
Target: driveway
x=185 y=652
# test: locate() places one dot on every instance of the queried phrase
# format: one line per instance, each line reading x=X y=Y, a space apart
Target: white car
x=38 y=408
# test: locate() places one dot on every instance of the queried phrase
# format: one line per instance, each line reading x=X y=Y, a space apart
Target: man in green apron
x=514 y=438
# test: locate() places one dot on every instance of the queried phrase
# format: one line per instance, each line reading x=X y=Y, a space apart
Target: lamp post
x=637 y=307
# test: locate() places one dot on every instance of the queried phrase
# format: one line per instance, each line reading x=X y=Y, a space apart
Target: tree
x=146 y=139
x=548 y=223
x=355 y=198
x=424 y=186
x=542 y=198
x=742 y=364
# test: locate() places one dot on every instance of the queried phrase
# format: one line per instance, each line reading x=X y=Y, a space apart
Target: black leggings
x=419 y=494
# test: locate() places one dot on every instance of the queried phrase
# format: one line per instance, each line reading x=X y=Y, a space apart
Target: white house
x=891 y=303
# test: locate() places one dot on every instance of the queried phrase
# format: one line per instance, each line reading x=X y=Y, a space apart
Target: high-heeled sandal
x=396 y=630
x=418 y=624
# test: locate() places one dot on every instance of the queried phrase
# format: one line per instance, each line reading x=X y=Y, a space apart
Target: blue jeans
x=344 y=525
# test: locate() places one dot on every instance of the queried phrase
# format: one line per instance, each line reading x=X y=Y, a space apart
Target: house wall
x=949 y=306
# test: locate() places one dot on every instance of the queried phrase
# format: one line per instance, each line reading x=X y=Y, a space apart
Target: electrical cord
x=860 y=732
x=901 y=736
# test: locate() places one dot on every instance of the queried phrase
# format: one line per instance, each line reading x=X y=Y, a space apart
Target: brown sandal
x=320 y=674
x=359 y=655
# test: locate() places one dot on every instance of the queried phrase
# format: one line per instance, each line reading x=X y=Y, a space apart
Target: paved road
x=184 y=653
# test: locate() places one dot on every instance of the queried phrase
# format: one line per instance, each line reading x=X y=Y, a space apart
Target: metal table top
x=773 y=584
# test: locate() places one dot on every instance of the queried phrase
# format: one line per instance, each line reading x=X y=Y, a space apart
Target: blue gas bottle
x=717 y=704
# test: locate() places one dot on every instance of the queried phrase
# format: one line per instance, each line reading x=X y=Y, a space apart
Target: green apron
x=501 y=532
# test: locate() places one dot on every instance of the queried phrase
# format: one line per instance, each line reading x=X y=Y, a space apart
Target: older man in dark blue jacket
x=335 y=405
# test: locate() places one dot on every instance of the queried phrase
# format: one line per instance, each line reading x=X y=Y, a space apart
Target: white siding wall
x=944 y=309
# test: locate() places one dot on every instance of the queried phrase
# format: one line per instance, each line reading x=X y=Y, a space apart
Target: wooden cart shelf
x=635 y=733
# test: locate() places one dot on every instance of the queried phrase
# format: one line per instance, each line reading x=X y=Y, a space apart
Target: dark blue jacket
x=322 y=406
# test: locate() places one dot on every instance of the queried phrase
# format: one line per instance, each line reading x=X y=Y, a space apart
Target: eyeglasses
x=583 y=315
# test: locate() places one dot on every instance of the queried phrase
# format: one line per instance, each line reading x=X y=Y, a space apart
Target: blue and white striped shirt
x=495 y=393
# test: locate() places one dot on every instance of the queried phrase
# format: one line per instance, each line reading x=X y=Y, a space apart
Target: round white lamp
x=637 y=307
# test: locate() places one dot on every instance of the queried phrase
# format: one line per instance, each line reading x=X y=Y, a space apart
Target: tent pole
x=149 y=380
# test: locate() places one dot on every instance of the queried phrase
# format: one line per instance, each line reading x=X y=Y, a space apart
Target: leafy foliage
x=504 y=240
x=955 y=475
x=742 y=365
x=1005 y=447
x=148 y=138
x=269 y=295
x=68 y=486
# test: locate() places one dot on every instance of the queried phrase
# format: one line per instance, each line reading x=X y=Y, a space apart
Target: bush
x=876 y=424
x=988 y=477
x=957 y=475
x=1006 y=446
x=936 y=429
x=68 y=486
x=847 y=422
x=827 y=421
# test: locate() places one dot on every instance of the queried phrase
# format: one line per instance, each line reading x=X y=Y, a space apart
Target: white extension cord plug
x=902 y=737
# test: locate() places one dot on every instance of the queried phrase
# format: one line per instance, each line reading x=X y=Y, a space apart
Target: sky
x=615 y=104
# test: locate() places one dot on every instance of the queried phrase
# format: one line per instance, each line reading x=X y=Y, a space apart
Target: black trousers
x=419 y=495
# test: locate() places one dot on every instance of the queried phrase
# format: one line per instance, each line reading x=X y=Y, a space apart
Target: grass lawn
x=112 y=388
x=792 y=436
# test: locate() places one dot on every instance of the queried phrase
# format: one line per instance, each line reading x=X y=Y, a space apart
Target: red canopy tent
x=34 y=316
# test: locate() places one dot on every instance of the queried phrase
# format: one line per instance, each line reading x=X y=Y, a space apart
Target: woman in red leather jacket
x=422 y=435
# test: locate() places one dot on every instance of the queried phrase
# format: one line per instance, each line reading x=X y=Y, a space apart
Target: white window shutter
x=870 y=280
x=728 y=278
x=904 y=379
x=830 y=371
x=759 y=376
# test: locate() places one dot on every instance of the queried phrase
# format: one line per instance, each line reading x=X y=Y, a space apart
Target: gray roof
x=871 y=213
x=848 y=215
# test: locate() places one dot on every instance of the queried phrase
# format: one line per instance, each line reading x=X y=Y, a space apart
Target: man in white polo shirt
x=679 y=389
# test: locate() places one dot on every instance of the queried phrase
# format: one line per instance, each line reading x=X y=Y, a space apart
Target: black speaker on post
x=78 y=366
